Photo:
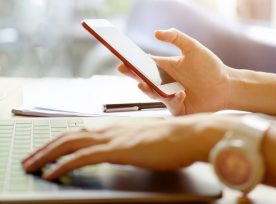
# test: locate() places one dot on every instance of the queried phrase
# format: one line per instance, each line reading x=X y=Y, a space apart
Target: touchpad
x=196 y=182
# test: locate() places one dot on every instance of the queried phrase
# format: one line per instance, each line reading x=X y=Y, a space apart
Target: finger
x=60 y=148
x=184 y=42
x=65 y=134
x=148 y=91
x=95 y=155
x=176 y=104
x=167 y=64
x=165 y=61
x=43 y=147
x=126 y=71
x=57 y=149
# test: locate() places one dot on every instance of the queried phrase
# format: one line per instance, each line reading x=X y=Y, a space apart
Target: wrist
x=231 y=78
x=251 y=91
x=235 y=83
x=211 y=131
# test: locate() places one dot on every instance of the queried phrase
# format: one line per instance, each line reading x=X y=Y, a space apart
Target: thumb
x=167 y=64
x=176 y=104
x=184 y=42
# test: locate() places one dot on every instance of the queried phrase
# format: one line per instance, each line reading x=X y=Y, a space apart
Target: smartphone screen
x=129 y=53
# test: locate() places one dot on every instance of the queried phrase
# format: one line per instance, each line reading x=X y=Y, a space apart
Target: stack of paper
x=83 y=97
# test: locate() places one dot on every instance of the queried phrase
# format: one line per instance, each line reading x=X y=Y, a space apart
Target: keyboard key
x=5 y=142
x=4 y=157
x=1 y=187
x=41 y=132
x=21 y=152
x=36 y=146
x=3 y=165
x=26 y=130
x=55 y=134
x=18 y=174
x=41 y=136
x=3 y=160
x=6 y=122
x=74 y=129
x=5 y=127
x=17 y=158
x=25 y=136
x=22 y=141
x=5 y=139
x=58 y=123
x=40 y=140
x=3 y=173
x=18 y=187
x=23 y=128
x=58 y=129
x=22 y=133
x=41 y=122
x=23 y=122
x=75 y=123
x=4 y=132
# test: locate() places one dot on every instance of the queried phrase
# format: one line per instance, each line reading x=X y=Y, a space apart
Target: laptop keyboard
x=19 y=138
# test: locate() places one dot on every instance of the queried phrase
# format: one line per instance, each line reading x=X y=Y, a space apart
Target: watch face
x=233 y=166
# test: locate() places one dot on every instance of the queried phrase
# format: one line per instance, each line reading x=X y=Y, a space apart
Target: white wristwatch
x=237 y=158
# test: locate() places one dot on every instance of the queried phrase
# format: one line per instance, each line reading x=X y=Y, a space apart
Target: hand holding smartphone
x=131 y=55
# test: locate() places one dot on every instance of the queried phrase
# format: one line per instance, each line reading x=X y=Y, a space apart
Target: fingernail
x=157 y=32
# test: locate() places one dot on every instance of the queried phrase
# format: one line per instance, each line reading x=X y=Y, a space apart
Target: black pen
x=120 y=107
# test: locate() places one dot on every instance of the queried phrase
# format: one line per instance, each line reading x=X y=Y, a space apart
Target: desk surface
x=13 y=88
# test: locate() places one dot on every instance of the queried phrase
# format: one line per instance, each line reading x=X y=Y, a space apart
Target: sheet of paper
x=86 y=96
x=40 y=112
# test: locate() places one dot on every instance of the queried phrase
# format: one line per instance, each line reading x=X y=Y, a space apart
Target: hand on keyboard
x=155 y=145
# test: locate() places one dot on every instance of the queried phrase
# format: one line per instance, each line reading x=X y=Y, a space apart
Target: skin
x=163 y=147
x=168 y=147
x=210 y=86
x=193 y=69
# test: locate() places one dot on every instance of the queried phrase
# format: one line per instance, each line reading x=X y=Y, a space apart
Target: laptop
x=103 y=183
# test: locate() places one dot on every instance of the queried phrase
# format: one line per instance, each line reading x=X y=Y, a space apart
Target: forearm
x=252 y=91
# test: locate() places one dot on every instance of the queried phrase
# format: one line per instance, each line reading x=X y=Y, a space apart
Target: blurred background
x=40 y=38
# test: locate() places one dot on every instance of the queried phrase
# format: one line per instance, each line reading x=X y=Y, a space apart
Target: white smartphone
x=131 y=55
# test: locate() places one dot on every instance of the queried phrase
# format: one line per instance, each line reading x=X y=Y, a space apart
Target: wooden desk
x=13 y=87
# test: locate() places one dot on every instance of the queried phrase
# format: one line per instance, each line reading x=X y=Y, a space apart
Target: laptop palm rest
x=113 y=183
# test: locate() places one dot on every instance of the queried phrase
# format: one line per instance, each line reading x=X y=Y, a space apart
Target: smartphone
x=131 y=55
